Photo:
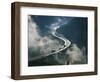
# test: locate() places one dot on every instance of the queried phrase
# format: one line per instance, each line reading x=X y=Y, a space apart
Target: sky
x=73 y=28
x=41 y=42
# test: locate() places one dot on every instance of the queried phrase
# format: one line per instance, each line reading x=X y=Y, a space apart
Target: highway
x=54 y=33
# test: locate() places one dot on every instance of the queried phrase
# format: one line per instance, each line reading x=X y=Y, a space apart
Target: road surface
x=67 y=43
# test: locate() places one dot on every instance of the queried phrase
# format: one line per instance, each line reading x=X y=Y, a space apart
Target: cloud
x=40 y=44
x=76 y=55
x=46 y=44
x=59 y=21
x=33 y=35
x=73 y=55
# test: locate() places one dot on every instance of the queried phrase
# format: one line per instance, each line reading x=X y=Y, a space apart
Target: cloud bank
x=40 y=45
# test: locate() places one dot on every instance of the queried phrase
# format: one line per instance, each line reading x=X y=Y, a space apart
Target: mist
x=41 y=47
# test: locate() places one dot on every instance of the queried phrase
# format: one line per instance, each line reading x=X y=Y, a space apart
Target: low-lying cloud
x=41 y=45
